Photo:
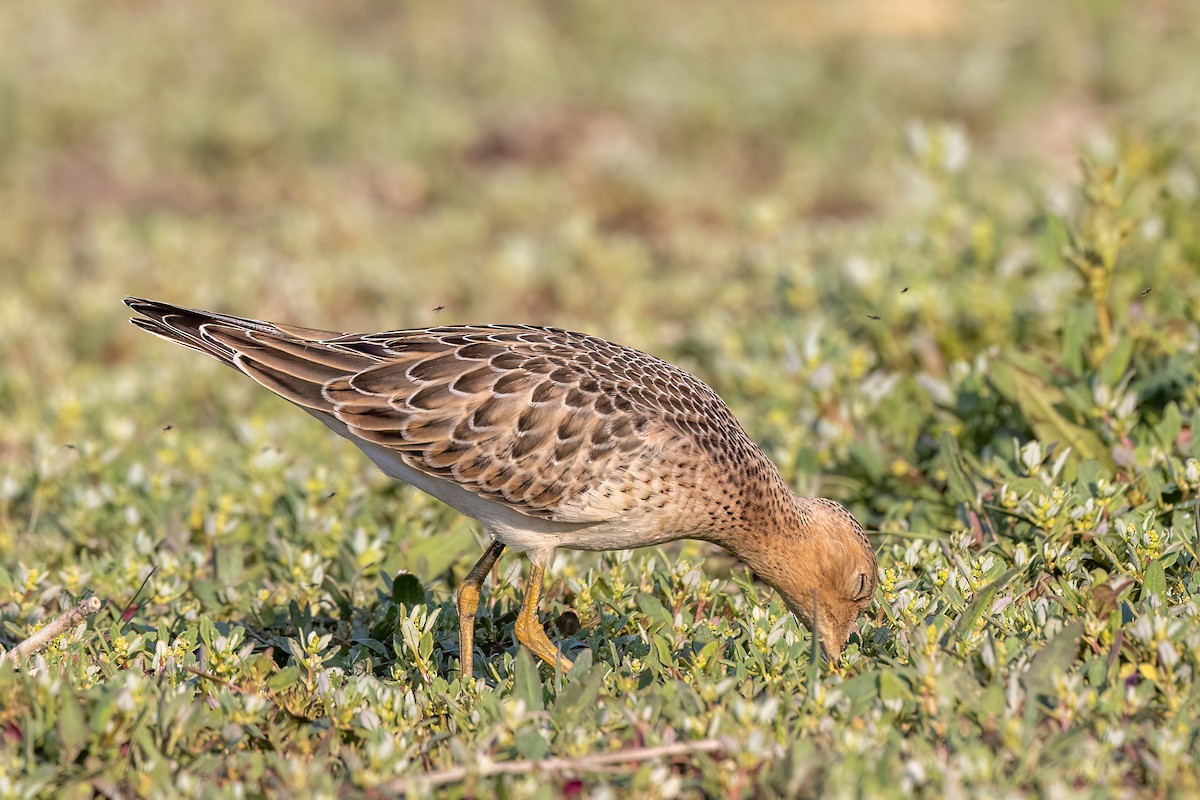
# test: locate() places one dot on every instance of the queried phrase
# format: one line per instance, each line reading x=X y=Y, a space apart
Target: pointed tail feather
x=291 y=361
x=183 y=326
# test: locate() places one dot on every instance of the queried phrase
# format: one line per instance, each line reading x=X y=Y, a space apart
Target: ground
x=941 y=258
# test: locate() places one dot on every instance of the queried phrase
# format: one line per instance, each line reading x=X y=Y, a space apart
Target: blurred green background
x=648 y=175
x=739 y=188
x=841 y=215
x=694 y=181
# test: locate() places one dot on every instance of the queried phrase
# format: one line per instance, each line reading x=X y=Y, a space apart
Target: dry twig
x=61 y=624
x=597 y=762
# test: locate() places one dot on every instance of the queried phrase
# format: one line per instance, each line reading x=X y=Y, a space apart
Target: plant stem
x=63 y=623
x=421 y=785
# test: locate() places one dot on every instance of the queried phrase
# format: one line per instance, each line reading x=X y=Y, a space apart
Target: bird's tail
x=183 y=326
x=291 y=361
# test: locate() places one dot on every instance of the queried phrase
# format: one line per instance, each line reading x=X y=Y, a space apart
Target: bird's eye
x=860 y=592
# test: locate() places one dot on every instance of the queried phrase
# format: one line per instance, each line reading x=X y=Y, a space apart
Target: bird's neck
x=767 y=511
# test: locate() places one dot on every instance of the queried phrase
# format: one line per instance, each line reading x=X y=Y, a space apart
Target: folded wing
x=549 y=422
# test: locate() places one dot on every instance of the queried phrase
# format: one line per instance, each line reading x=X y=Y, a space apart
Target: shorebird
x=552 y=439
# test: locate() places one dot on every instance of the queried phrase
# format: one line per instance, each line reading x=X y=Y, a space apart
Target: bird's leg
x=529 y=631
x=468 y=604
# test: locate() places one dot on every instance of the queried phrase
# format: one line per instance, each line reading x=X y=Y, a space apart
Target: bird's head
x=824 y=569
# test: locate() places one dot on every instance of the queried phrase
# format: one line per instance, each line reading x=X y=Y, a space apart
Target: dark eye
x=860 y=593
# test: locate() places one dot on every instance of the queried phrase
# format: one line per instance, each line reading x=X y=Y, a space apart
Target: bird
x=552 y=439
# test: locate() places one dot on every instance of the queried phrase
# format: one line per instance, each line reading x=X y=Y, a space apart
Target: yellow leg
x=468 y=604
x=530 y=632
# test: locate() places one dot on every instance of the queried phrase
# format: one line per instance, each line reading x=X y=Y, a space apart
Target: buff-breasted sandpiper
x=552 y=439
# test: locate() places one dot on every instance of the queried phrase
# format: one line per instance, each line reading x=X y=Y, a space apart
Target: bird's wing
x=553 y=424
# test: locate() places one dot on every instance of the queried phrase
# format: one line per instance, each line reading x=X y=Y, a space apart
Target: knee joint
x=468 y=598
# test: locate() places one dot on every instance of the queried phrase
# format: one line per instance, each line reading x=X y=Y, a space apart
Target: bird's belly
x=622 y=534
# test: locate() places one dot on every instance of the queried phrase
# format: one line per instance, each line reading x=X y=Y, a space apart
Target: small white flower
x=1031 y=456
x=1167 y=656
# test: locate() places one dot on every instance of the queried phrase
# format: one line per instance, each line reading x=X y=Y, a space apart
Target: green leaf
x=869 y=456
x=102 y=711
x=374 y=645
x=705 y=654
x=1050 y=426
x=653 y=608
x=978 y=605
x=1195 y=439
x=1169 y=428
x=285 y=678
x=1078 y=397
x=1076 y=329
x=383 y=629
x=72 y=728
x=208 y=631
x=580 y=692
x=531 y=744
x=1056 y=235
x=1155 y=581
x=1115 y=363
x=527 y=683
x=1052 y=660
x=1068 y=597
x=1152 y=481
x=1033 y=365
x=891 y=688
x=1036 y=402
x=229 y=564
x=1003 y=379
x=663 y=648
x=432 y=557
x=1097 y=672
x=860 y=688
x=583 y=663
x=407 y=591
x=206 y=593
x=961 y=487
x=1023 y=487
x=992 y=702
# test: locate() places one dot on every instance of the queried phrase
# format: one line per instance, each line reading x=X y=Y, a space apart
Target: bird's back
x=567 y=430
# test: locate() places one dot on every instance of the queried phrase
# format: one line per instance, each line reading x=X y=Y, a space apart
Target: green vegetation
x=740 y=189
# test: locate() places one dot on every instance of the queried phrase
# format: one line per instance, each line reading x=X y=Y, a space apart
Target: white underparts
x=516 y=530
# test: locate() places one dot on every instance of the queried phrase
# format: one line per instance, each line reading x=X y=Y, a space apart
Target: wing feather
x=551 y=423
